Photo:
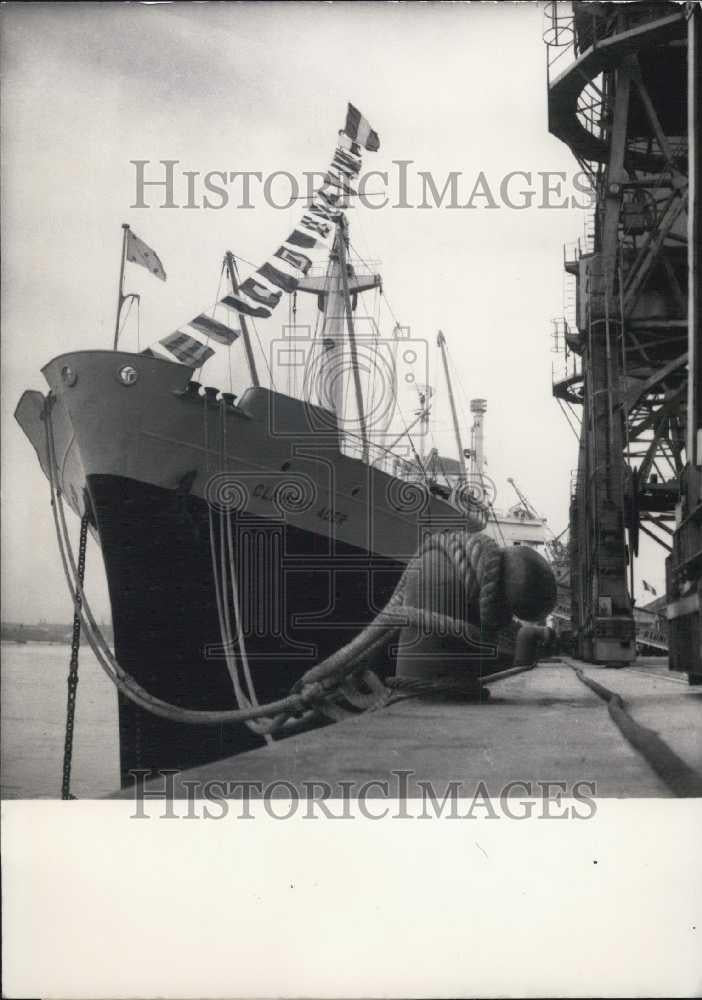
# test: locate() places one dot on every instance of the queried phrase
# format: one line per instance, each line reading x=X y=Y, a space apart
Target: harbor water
x=33 y=691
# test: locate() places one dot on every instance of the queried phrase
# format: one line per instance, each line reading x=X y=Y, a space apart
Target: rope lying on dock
x=680 y=778
x=480 y=567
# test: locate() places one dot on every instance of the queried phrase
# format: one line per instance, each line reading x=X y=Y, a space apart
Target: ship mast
x=478 y=408
x=120 y=290
x=341 y=241
x=336 y=292
x=231 y=269
x=441 y=341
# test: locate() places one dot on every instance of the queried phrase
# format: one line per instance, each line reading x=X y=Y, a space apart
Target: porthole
x=68 y=375
x=128 y=375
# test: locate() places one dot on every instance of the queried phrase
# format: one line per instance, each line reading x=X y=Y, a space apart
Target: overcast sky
x=263 y=87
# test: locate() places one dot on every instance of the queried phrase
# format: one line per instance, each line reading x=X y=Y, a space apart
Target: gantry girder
x=617 y=79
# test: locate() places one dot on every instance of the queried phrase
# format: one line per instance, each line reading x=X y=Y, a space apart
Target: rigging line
x=198 y=371
x=574 y=414
x=495 y=519
x=245 y=261
x=126 y=317
x=347 y=373
x=362 y=232
x=355 y=355
x=263 y=354
x=526 y=502
x=207 y=339
x=321 y=318
x=360 y=258
x=408 y=435
x=207 y=336
x=382 y=295
x=386 y=301
x=321 y=315
x=565 y=414
x=214 y=309
x=437 y=466
x=379 y=386
x=373 y=368
x=139 y=325
x=219 y=287
x=456 y=372
x=442 y=467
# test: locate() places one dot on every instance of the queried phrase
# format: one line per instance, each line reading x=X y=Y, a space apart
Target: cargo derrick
x=617 y=97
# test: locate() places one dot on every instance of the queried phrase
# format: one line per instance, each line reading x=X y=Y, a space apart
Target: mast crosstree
x=337 y=292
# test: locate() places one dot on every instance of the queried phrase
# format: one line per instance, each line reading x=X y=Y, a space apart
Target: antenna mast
x=441 y=341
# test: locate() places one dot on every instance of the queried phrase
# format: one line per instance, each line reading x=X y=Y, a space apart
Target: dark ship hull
x=156 y=549
x=163 y=472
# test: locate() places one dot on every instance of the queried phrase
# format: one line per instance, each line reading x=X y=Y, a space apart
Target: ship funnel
x=478 y=408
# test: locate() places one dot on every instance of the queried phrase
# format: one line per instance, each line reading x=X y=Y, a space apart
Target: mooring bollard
x=461 y=648
x=531 y=641
x=437 y=653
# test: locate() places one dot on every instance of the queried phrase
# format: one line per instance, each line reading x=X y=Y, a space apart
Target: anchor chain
x=72 y=681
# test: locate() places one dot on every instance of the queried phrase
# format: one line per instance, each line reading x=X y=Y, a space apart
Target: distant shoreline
x=48 y=634
x=36 y=642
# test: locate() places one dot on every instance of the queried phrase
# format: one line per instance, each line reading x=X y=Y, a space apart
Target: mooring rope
x=221 y=582
x=477 y=556
x=675 y=773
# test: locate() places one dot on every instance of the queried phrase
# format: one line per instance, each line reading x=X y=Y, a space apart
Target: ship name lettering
x=264 y=492
x=326 y=514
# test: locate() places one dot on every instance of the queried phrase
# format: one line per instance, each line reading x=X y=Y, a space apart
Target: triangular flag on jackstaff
x=137 y=252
